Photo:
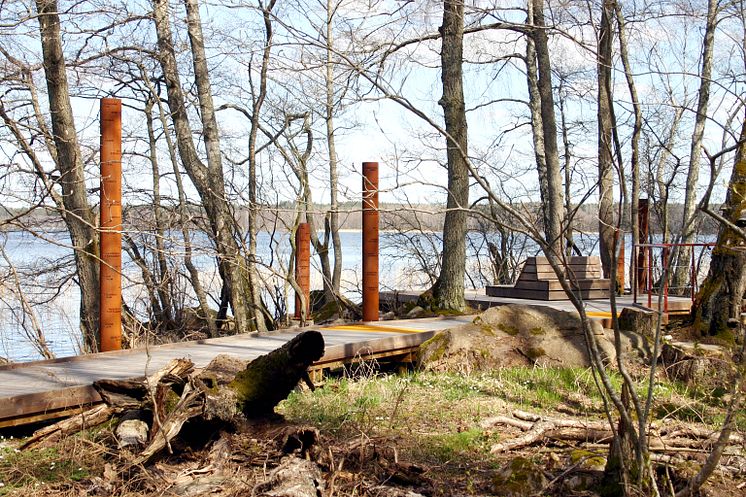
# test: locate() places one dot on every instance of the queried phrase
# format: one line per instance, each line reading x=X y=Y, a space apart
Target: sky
x=410 y=153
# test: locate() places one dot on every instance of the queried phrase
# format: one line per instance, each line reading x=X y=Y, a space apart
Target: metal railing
x=643 y=276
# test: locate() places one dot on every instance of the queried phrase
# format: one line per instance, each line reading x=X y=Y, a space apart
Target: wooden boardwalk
x=47 y=389
x=596 y=308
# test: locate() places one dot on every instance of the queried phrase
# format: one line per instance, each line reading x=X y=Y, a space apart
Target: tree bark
x=207 y=179
x=270 y=378
x=636 y=132
x=606 y=228
x=332 y=149
x=79 y=219
x=553 y=205
x=690 y=221
x=722 y=292
x=448 y=291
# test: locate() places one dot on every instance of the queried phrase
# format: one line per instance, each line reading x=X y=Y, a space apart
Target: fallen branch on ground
x=538 y=429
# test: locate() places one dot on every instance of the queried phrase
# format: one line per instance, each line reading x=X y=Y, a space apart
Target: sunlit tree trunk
x=208 y=179
x=722 y=292
x=448 y=291
x=332 y=149
x=605 y=144
x=79 y=218
x=690 y=221
x=552 y=203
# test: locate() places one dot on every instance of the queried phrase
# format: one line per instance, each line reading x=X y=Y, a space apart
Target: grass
x=436 y=415
x=432 y=419
x=36 y=468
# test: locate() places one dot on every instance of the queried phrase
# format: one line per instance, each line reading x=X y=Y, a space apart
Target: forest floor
x=369 y=433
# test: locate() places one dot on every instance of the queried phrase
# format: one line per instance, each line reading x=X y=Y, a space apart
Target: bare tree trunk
x=690 y=221
x=553 y=204
x=567 y=168
x=208 y=180
x=605 y=155
x=332 y=149
x=164 y=279
x=722 y=293
x=534 y=102
x=448 y=291
x=253 y=204
x=635 y=140
x=184 y=218
x=79 y=218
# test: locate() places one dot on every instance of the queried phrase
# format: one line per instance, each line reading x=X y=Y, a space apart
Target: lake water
x=41 y=267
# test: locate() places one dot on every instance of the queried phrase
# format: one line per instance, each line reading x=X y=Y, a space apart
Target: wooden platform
x=48 y=389
x=538 y=281
x=596 y=308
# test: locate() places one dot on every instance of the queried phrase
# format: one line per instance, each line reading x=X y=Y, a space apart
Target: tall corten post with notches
x=110 y=275
x=370 y=241
x=303 y=268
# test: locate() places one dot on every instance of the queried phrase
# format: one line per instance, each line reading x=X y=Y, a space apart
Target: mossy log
x=270 y=378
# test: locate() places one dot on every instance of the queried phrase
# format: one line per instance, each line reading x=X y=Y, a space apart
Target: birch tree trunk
x=78 y=216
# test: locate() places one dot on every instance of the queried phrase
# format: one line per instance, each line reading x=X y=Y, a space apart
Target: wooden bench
x=538 y=281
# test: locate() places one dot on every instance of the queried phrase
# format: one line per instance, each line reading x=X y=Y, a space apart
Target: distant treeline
x=408 y=217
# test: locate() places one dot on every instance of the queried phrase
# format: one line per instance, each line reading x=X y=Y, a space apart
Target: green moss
x=506 y=328
x=433 y=349
x=171 y=400
x=535 y=352
x=327 y=312
x=587 y=458
x=537 y=331
x=522 y=477
x=487 y=330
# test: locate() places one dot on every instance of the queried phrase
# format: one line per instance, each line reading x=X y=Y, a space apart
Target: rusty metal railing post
x=643 y=230
x=370 y=241
x=620 y=263
x=650 y=277
x=694 y=278
x=110 y=276
x=664 y=277
x=303 y=268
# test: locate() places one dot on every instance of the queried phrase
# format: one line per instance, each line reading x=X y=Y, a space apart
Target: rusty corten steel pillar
x=642 y=253
x=303 y=267
x=370 y=241
x=620 y=263
x=110 y=278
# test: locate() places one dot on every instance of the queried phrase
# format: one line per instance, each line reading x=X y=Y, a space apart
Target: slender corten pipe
x=370 y=241
x=620 y=263
x=303 y=266
x=110 y=279
x=642 y=254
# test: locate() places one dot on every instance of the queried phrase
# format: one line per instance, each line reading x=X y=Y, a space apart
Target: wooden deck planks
x=43 y=389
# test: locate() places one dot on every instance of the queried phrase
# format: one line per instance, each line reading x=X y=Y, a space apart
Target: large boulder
x=514 y=335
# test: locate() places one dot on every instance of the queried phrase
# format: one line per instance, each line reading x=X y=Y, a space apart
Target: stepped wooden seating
x=537 y=280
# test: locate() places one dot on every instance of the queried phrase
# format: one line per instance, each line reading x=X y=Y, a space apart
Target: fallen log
x=227 y=390
x=539 y=429
x=269 y=379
